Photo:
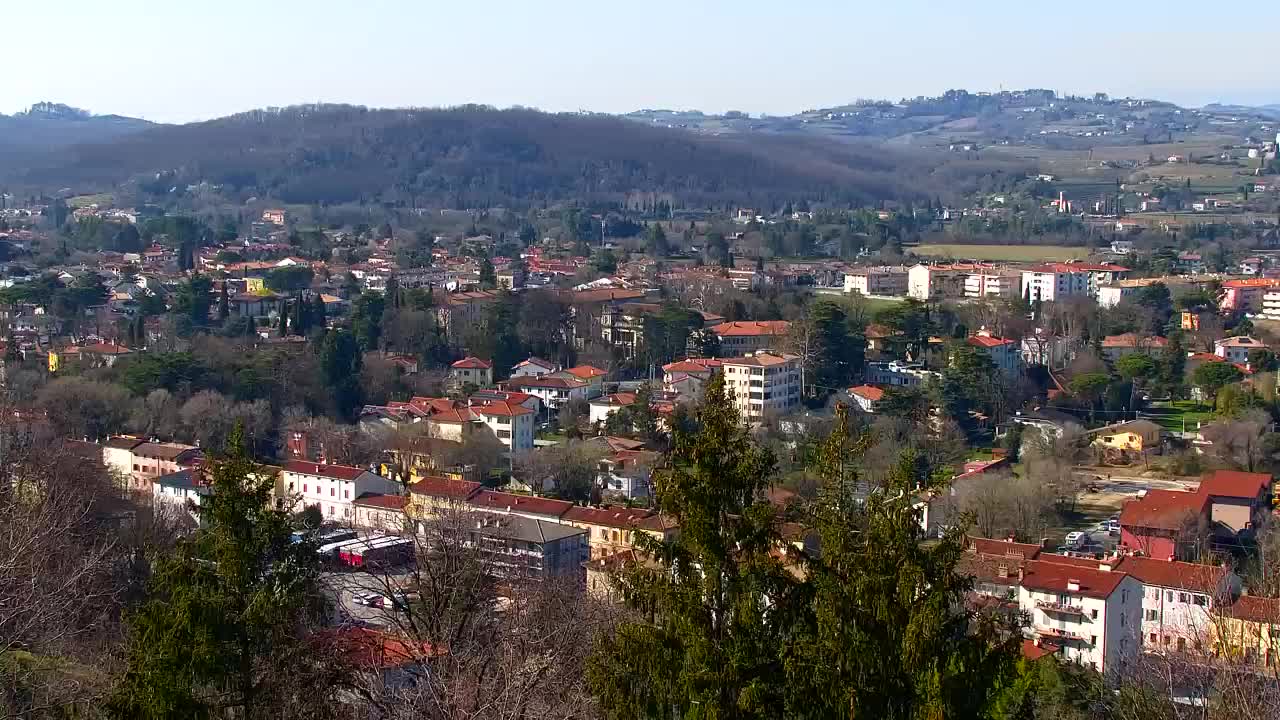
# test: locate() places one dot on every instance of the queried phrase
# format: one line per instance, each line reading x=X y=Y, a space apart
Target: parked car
x=1076 y=539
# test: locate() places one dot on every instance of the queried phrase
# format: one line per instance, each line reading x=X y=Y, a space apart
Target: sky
x=187 y=60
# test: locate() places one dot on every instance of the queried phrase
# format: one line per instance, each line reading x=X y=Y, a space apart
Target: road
x=342 y=587
x=1130 y=484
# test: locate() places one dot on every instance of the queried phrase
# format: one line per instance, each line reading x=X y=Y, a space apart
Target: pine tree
x=283 y=325
x=224 y=303
x=317 y=312
x=888 y=637
x=225 y=631
x=713 y=596
x=299 y=320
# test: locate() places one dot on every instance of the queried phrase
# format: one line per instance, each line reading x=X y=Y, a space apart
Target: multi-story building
x=332 y=488
x=739 y=338
x=1110 y=296
x=1002 y=351
x=554 y=392
x=1160 y=522
x=138 y=463
x=1237 y=501
x=1178 y=601
x=181 y=491
x=895 y=373
x=513 y=547
x=1042 y=348
x=933 y=282
x=885 y=281
x=1055 y=281
x=471 y=371
x=763 y=383
x=1092 y=611
x=612 y=530
x=1248 y=295
x=1006 y=284
x=1115 y=347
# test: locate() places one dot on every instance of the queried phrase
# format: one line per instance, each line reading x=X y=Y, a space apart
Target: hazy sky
x=181 y=60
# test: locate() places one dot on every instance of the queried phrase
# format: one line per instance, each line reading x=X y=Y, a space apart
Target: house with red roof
x=554 y=392
x=742 y=337
x=1090 y=610
x=612 y=529
x=535 y=367
x=1179 y=601
x=1115 y=347
x=603 y=407
x=1238 y=501
x=471 y=371
x=866 y=397
x=1004 y=353
x=1155 y=524
x=332 y=488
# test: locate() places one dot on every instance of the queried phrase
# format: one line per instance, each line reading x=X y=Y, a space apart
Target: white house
x=866 y=397
x=332 y=488
x=1178 y=600
x=511 y=423
x=179 y=490
x=604 y=406
x=1086 y=607
x=554 y=392
x=895 y=373
x=1042 y=348
x=533 y=367
x=1110 y=296
x=1236 y=349
x=1054 y=281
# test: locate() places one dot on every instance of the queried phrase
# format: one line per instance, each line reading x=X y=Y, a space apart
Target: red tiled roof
x=692 y=365
x=1094 y=583
x=623 y=399
x=1162 y=509
x=502 y=408
x=1252 y=282
x=751 y=328
x=337 y=472
x=618 y=517
x=493 y=500
x=1254 y=608
x=389 y=502
x=371 y=649
x=106 y=349
x=988 y=341
x=1032 y=651
x=1173 y=574
x=1081 y=562
x=1235 y=484
x=443 y=487
x=595 y=296
x=568 y=383
x=586 y=372
x=1004 y=548
x=870 y=392
x=472 y=363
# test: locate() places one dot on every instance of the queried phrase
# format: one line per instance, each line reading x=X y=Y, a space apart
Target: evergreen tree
x=488 y=276
x=226 y=629
x=714 y=597
x=887 y=636
x=317 y=312
x=300 y=319
x=656 y=241
x=224 y=303
x=340 y=362
x=283 y=325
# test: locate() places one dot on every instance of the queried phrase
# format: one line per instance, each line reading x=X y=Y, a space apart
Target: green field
x=1022 y=253
x=1172 y=416
x=101 y=199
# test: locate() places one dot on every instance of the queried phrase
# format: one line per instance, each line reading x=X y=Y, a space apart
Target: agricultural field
x=1011 y=253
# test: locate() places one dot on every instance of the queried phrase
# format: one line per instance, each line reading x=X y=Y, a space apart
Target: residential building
x=1161 y=522
x=1054 y=281
x=1189 y=263
x=1043 y=348
x=602 y=407
x=511 y=423
x=933 y=282
x=763 y=383
x=181 y=490
x=529 y=506
x=471 y=371
x=627 y=474
x=1236 y=349
x=432 y=496
x=897 y=373
x=866 y=397
x=592 y=376
x=275 y=216
x=332 y=488
x=515 y=547
x=1110 y=296
x=1003 y=352
x=1135 y=436
x=1178 y=601
x=554 y=392
x=1092 y=611
x=1247 y=295
x=1251 y=266
x=687 y=377
x=883 y=281
x=1115 y=347
x=1249 y=630
x=612 y=530
x=533 y=367
x=139 y=463
x=997 y=283
x=1237 y=501
x=384 y=513
x=740 y=338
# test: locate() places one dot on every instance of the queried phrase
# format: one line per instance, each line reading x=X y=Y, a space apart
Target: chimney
x=1073 y=585
x=1022 y=573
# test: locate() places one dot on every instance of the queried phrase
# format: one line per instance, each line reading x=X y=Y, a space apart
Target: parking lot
x=343 y=588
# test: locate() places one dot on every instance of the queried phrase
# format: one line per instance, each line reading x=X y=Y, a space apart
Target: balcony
x=1059 y=608
x=1059 y=633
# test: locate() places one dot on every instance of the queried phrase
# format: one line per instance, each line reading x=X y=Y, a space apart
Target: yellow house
x=1249 y=631
x=611 y=530
x=431 y=495
x=255 y=285
x=1135 y=436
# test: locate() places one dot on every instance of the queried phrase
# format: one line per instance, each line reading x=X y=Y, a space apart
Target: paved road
x=341 y=587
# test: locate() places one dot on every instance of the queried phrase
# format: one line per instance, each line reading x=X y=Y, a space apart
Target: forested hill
x=476 y=156
x=27 y=137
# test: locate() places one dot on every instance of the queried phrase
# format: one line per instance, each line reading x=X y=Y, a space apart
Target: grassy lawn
x=1171 y=416
x=87 y=200
x=1023 y=253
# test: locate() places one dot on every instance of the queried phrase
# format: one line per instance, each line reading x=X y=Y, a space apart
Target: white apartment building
x=332 y=488
x=1271 y=305
x=895 y=373
x=931 y=282
x=1090 y=610
x=1004 y=353
x=1110 y=296
x=762 y=383
x=1042 y=348
x=510 y=422
x=1178 y=602
x=1055 y=281
x=877 y=281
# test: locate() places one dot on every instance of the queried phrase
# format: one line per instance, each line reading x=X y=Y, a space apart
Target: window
x=1200 y=600
x=1094 y=614
x=1169 y=595
x=1182 y=644
x=1093 y=640
x=504 y=434
x=290 y=487
x=304 y=487
x=332 y=492
x=346 y=494
x=1183 y=597
x=1150 y=615
x=1153 y=638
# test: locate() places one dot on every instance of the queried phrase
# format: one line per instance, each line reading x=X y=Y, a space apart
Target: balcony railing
x=1059 y=633
x=1059 y=608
